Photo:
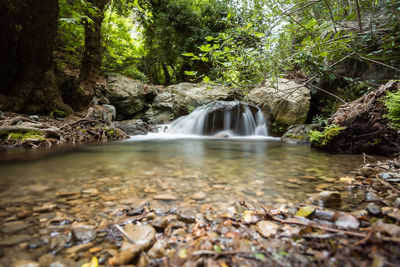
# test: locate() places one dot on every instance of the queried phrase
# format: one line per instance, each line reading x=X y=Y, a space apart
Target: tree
x=28 y=38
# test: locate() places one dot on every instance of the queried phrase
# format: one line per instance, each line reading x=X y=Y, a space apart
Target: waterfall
x=221 y=118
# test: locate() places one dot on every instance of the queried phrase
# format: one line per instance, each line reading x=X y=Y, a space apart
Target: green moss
x=58 y=113
x=392 y=103
x=24 y=135
x=112 y=131
x=323 y=138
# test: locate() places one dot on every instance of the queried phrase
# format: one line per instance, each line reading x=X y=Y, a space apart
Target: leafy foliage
x=323 y=138
x=392 y=103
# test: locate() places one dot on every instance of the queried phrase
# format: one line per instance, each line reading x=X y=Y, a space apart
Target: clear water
x=225 y=170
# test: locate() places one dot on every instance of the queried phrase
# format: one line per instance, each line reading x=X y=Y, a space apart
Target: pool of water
x=186 y=171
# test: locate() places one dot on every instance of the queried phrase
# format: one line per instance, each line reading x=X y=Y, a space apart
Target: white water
x=218 y=119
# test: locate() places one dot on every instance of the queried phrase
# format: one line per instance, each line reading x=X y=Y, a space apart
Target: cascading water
x=221 y=118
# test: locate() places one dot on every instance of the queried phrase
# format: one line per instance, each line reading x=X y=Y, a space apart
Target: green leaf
x=206 y=79
x=209 y=38
x=188 y=55
x=260 y=256
x=190 y=73
x=305 y=211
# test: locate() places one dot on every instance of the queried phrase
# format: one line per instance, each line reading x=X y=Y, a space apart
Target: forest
x=199 y=133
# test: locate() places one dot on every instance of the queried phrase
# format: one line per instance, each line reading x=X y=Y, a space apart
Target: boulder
x=284 y=102
x=127 y=95
x=133 y=127
x=366 y=129
x=298 y=134
x=178 y=100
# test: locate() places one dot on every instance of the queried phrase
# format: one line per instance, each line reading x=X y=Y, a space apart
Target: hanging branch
x=358 y=15
x=331 y=14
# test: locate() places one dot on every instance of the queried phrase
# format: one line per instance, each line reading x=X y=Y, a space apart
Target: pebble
x=325 y=215
x=83 y=232
x=374 y=209
x=14 y=240
x=26 y=263
x=385 y=175
x=34 y=117
x=370 y=196
x=346 y=221
x=267 y=228
x=396 y=203
x=165 y=197
x=158 y=249
x=327 y=199
x=45 y=260
x=95 y=249
x=142 y=235
x=162 y=222
x=79 y=248
x=199 y=196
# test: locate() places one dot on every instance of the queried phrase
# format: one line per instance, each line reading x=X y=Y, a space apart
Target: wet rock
x=34 y=117
x=35 y=243
x=346 y=221
x=385 y=176
x=163 y=222
x=325 y=215
x=396 y=203
x=267 y=228
x=250 y=216
x=133 y=127
x=135 y=211
x=63 y=263
x=14 y=240
x=91 y=191
x=60 y=241
x=83 y=232
x=26 y=263
x=165 y=197
x=329 y=199
x=368 y=171
x=126 y=255
x=371 y=196
x=298 y=134
x=199 y=196
x=79 y=248
x=374 y=209
x=45 y=260
x=158 y=249
x=13 y=227
x=45 y=208
x=142 y=235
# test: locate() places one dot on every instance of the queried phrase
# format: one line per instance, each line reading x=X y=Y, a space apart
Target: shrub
x=392 y=103
x=322 y=138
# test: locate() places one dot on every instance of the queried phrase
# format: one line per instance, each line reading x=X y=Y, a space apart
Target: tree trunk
x=28 y=29
x=91 y=60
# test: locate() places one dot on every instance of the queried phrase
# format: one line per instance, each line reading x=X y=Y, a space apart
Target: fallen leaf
x=305 y=211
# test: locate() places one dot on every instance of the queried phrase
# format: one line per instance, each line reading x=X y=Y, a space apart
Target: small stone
x=385 y=175
x=163 y=222
x=125 y=256
x=199 y=196
x=26 y=263
x=79 y=248
x=83 y=232
x=95 y=250
x=371 y=196
x=325 y=215
x=368 y=171
x=46 y=207
x=267 y=228
x=250 y=216
x=327 y=199
x=46 y=259
x=34 y=117
x=158 y=249
x=91 y=191
x=35 y=243
x=346 y=221
x=373 y=209
x=165 y=197
x=135 y=211
x=13 y=227
x=396 y=203
x=142 y=235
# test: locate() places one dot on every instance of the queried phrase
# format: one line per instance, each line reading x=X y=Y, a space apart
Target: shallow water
x=225 y=170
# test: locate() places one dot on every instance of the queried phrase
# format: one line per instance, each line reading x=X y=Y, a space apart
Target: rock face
x=283 y=102
x=367 y=131
x=178 y=100
x=127 y=95
x=133 y=127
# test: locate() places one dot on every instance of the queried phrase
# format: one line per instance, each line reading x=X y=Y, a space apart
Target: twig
x=378 y=62
x=365 y=239
x=125 y=234
x=387 y=184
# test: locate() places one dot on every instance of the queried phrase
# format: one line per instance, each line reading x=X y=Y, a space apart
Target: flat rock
x=25 y=263
x=199 y=196
x=327 y=199
x=142 y=235
x=13 y=227
x=346 y=221
x=83 y=232
x=373 y=209
x=79 y=248
x=14 y=240
x=267 y=228
x=165 y=197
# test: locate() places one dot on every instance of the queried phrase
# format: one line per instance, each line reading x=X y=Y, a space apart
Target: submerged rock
x=298 y=134
x=328 y=199
x=83 y=232
x=141 y=235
